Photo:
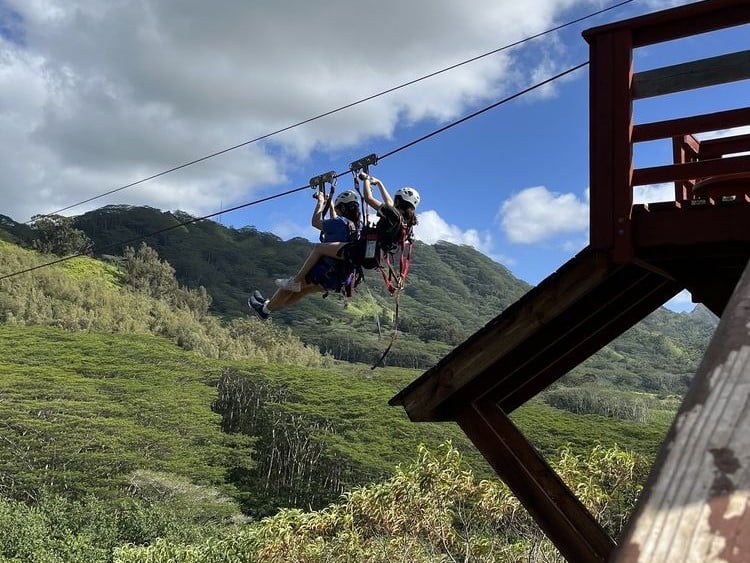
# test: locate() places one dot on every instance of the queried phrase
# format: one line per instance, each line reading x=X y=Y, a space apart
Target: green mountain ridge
x=452 y=291
x=133 y=416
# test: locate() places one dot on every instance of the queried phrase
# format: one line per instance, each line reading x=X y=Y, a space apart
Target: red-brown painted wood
x=601 y=130
x=691 y=170
x=683 y=21
x=638 y=257
x=716 y=121
x=557 y=511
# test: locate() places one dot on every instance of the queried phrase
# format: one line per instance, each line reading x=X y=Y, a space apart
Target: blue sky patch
x=11 y=24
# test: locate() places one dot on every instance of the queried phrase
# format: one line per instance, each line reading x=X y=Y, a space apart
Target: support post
x=696 y=505
x=610 y=152
x=557 y=511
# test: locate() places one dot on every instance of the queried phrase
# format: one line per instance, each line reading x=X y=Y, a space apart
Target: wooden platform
x=705 y=245
x=587 y=303
x=554 y=327
x=569 y=316
x=639 y=256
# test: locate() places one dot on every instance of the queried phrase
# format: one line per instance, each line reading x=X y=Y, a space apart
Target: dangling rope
x=394 y=282
x=396 y=288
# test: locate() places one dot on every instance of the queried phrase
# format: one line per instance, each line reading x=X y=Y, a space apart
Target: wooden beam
x=692 y=19
x=601 y=131
x=683 y=21
x=714 y=293
x=557 y=511
x=715 y=148
x=696 y=505
x=689 y=76
x=424 y=399
x=685 y=148
x=610 y=149
x=622 y=148
x=691 y=170
x=708 y=225
x=691 y=125
x=586 y=331
x=538 y=339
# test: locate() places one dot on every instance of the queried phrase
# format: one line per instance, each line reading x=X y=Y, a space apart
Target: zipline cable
x=294 y=190
x=99 y=250
x=483 y=110
x=341 y=108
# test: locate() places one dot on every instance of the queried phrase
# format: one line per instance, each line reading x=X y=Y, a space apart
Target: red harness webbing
x=395 y=282
x=395 y=289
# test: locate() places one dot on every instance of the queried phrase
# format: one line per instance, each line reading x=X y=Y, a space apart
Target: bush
x=599 y=401
x=85 y=294
x=433 y=510
x=56 y=235
x=58 y=530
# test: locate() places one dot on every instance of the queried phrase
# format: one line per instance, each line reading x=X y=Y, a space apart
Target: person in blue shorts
x=325 y=273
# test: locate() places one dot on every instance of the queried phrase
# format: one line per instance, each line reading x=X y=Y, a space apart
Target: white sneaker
x=289 y=284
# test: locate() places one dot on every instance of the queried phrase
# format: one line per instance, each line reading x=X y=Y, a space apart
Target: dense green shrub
x=57 y=235
x=85 y=294
x=60 y=530
x=432 y=510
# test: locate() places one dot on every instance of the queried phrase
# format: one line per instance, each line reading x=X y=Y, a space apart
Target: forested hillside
x=448 y=284
x=139 y=426
x=451 y=292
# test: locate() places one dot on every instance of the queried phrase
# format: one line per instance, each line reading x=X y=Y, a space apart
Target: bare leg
x=319 y=250
x=284 y=298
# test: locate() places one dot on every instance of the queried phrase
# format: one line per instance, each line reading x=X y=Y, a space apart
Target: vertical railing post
x=685 y=148
x=611 y=149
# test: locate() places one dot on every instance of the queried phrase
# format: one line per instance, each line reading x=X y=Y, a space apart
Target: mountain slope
x=452 y=291
x=68 y=386
x=448 y=284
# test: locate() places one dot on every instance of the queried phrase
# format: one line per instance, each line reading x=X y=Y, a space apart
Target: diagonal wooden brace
x=554 y=507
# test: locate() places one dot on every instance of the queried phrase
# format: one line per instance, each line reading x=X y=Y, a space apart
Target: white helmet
x=346 y=197
x=409 y=195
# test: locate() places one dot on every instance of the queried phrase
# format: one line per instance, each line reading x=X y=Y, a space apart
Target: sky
x=96 y=95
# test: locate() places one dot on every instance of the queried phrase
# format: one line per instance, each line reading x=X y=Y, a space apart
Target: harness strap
x=394 y=334
x=395 y=289
x=329 y=198
x=320 y=182
x=361 y=199
x=395 y=281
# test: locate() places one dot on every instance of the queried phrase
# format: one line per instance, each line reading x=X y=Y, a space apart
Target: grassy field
x=83 y=411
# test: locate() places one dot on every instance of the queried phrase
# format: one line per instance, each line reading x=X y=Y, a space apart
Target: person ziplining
x=348 y=244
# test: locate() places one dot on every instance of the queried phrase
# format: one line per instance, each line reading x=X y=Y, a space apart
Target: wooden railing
x=614 y=86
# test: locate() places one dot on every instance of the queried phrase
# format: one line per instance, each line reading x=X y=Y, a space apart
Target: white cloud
x=653 y=193
x=95 y=95
x=432 y=228
x=536 y=214
x=286 y=229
